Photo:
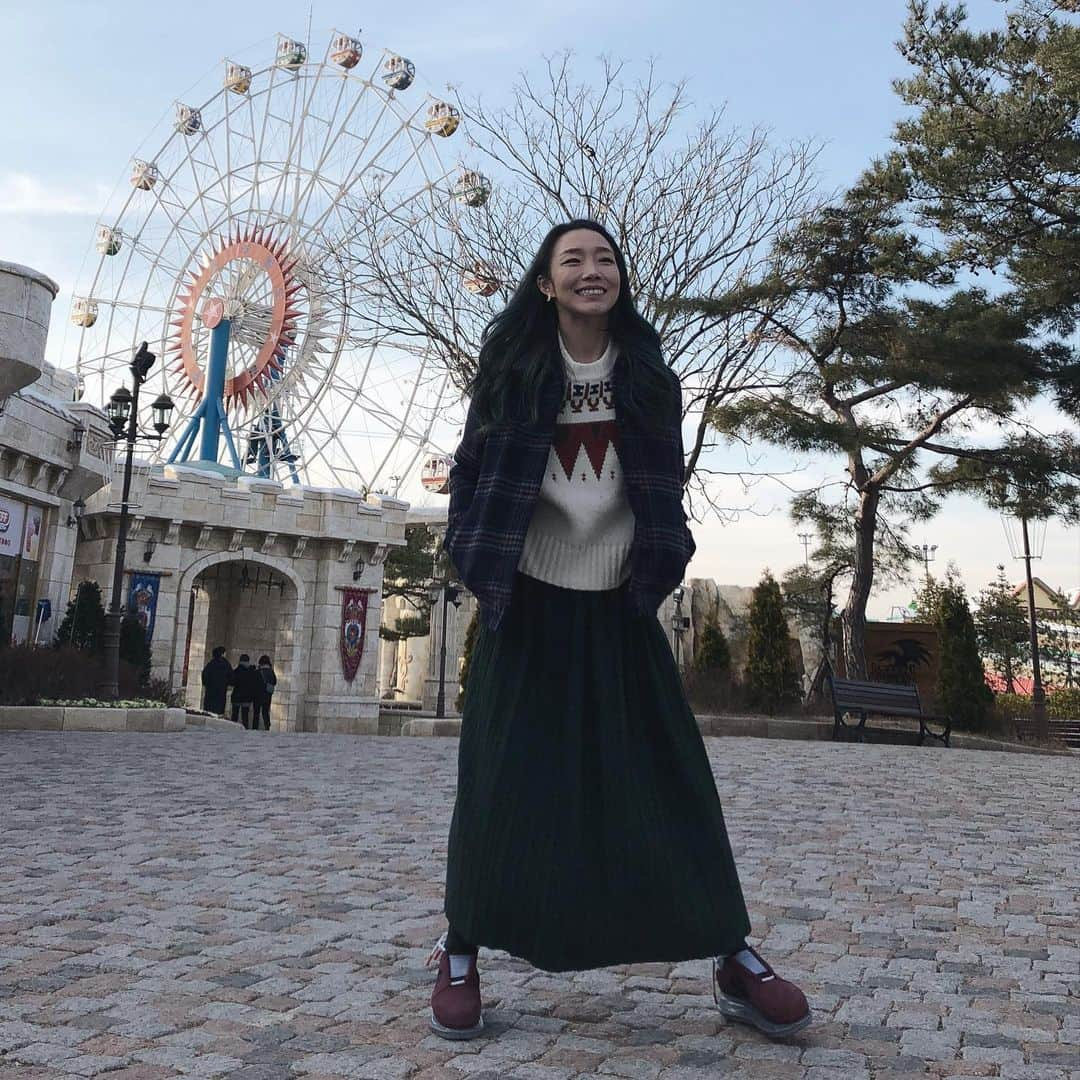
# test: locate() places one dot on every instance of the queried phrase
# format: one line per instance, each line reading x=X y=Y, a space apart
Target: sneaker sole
x=456 y=1034
x=747 y=1014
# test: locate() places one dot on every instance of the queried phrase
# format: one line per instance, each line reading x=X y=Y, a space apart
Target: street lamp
x=451 y=594
x=1020 y=547
x=122 y=411
x=679 y=622
x=78 y=508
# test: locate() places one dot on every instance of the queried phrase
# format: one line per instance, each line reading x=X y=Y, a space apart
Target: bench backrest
x=886 y=698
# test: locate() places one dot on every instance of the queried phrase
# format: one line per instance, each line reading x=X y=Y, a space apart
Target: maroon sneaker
x=773 y=1005
x=455 y=1003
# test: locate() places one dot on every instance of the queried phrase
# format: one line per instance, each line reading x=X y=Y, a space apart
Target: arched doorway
x=249 y=604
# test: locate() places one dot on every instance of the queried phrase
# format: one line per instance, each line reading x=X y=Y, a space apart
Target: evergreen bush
x=471 y=632
x=83 y=624
x=961 y=688
x=771 y=679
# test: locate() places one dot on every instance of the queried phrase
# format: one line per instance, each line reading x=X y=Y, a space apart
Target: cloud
x=21 y=193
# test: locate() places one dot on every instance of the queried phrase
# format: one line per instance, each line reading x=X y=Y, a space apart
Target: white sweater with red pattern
x=582 y=526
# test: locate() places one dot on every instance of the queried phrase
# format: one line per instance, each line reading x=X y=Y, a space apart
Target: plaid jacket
x=495 y=480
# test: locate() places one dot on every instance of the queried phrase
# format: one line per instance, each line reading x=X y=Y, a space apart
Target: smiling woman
x=587 y=830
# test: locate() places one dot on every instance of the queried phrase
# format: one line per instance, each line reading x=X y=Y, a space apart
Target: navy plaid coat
x=497 y=475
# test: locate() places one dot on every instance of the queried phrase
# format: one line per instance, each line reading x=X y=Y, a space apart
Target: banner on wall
x=12 y=517
x=35 y=517
x=354 y=603
x=142 y=600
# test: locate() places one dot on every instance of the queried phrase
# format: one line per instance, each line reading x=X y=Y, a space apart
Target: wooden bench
x=853 y=697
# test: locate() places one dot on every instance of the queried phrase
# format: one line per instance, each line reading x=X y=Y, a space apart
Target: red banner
x=354 y=604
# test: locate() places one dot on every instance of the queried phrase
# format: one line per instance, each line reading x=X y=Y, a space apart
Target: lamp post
x=1021 y=548
x=1038 y=695
x=123 y=414
x=679 y=622
x=450 y=592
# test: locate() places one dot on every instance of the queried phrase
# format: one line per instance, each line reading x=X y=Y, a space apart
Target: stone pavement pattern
x=261 y=908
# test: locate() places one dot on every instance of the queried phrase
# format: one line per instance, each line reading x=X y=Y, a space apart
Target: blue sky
x=86 y=83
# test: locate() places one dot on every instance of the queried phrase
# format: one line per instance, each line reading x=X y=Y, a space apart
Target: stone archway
x=273 y=628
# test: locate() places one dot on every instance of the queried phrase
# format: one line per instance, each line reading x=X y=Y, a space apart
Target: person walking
x=269 y=679
x=587 y=829
x=216 y=676
x=247 y=691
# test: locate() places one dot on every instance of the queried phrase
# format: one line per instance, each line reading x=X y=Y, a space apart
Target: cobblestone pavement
x=261 y=908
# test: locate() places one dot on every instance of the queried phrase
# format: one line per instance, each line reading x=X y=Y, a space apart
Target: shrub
x=29 y=674
x=162 y=690
x=134 y=648
x=1060 y=705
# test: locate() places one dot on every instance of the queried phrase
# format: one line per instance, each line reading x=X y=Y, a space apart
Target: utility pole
x=928 y=551
x=1038 y=696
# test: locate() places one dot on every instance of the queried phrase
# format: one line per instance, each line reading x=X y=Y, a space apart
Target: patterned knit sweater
x=582 y=526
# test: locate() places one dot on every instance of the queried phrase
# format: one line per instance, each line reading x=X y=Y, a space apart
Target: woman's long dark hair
x=520 y=347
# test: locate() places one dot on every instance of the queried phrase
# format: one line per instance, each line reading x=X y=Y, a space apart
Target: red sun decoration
x=259 y=246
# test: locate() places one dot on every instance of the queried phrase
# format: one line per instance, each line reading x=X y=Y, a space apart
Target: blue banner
x=142 y=600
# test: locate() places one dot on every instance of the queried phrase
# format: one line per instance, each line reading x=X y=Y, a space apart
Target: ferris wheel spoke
x=335 y=132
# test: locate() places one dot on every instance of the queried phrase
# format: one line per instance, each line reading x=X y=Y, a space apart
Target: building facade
x=55 y=452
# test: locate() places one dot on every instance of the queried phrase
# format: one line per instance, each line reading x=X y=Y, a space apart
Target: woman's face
x=584 y=277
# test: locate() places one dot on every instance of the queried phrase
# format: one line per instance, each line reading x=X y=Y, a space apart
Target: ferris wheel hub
x=212 y=312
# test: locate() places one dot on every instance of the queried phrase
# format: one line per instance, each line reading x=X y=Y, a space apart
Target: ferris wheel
x=225 y=251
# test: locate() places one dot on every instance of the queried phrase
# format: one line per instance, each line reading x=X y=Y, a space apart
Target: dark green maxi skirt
x=587 y=829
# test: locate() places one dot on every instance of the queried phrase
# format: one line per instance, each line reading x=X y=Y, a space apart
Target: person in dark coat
x=215 y=679
x=266 y=670
x=247 y=691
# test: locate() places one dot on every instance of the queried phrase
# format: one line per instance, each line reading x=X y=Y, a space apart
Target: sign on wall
x=142 y=600
x=12 y=520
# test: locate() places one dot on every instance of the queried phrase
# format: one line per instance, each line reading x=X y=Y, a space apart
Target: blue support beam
x=210 y=415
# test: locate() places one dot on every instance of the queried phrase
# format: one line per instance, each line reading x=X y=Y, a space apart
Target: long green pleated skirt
x=587 y=829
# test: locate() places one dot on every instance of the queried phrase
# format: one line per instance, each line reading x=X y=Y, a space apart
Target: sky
x=85 y=84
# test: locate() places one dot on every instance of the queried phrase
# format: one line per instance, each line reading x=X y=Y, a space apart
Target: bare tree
x=695 y=205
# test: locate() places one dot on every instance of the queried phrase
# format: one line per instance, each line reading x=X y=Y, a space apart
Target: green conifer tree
x=962 y=691
x=770 y=673
x=83 y=624
x=471 y=632
x=713 y=655
x=1002 y=626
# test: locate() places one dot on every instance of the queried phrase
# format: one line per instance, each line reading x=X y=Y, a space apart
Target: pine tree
x=770 y=673
x=886 y=368
x=471 y=632
x=83 y=624
x=962 y=691
x=1002 y=626
x=713 y=655
x=987 y=149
